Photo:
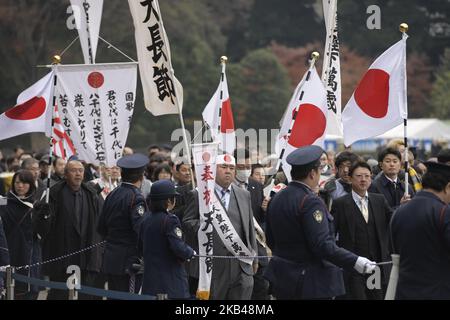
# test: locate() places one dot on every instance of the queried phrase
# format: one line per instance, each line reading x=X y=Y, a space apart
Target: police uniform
x=163 y=248
x=306 y=259
x=119 y=225
x=420 y=231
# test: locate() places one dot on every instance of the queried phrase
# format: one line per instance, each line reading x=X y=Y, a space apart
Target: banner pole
x=403 y=29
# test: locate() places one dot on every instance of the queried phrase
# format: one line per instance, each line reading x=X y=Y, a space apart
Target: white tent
x=422 y=129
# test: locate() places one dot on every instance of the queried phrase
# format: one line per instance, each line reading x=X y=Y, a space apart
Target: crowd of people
x=141 y=219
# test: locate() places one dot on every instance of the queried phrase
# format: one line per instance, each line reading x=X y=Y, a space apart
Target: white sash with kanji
x=227 y=233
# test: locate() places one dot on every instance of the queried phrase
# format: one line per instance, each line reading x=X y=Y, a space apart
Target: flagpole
x=56 y=61
x=314 y=57
x=223 y=63
x=403 y=29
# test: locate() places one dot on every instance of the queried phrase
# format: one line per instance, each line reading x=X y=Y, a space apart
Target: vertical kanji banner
x=88 y=16
x=331 y=69
x=96 y=104
x=204 y=156
x=163 y=93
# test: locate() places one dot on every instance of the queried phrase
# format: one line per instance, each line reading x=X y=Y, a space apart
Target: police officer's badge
x=318 y=216
x=141 y=210
x=178 y=232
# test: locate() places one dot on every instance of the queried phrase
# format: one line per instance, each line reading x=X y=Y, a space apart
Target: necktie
x=222 y=198
x=364 y=209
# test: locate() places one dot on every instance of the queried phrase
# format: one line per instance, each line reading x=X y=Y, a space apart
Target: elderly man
x=231 y=279
x=67 y=224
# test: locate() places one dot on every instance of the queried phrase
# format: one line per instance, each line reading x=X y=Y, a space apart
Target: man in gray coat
x=231 y=279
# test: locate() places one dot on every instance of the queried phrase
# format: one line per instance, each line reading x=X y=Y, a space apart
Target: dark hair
x=180 y=163
x=132 y=175
x=256 y=166
x=161 y=167
x=301 y=172
x=26 y=177
x=435 y=181
x=241 y=152
x=345 y=156
x=153 y=146
x=359 y=164
x=387 y=151
x=157 y=157
x=158 y=205
x=444 y=155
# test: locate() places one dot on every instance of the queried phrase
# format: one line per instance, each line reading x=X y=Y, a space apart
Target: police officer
x=162 y=245
x=306 y=259
x=119 y=225
x=420 y=231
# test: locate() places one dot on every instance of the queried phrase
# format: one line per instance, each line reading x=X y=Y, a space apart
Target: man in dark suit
x=361 y=223
x=387 y=182
x=67 y=224
x=243 y=172
x=421 y=236
x=231 y=279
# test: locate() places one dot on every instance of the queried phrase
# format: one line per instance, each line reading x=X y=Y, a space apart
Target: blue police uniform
x=420 y=231
x=164 y=250
x=300 y=233
x=119 y=225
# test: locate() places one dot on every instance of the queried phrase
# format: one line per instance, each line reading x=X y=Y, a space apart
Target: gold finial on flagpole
x=403 y=27
x=315 y=55
x=223 y=59
x=56 y=59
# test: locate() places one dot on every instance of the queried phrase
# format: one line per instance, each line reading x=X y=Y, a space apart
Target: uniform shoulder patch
x=140 y=210
x=178 y=232
x=318 y=216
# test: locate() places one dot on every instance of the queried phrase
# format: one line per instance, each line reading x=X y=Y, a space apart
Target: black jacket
x=57 y=231
x=23 y=243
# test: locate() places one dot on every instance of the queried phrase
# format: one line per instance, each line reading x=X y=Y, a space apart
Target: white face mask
x=243 y=175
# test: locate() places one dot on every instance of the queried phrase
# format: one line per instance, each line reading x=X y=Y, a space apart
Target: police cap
x=133 y=161
x=163 y=189
x=438 y=168
x=304 y=155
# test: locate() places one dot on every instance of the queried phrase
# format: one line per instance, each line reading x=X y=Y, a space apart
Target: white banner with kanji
x=204 y=156
x=331 y=69
x=163 y=93
x=88 y=17
x=96 y=104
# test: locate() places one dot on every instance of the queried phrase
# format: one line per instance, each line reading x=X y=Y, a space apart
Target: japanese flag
x=310 y=99
x=32 y=113
x=219 y=117
x=62 y=144
x=379 y=102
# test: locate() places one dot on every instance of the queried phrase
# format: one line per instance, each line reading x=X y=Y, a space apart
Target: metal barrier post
x=10 y=283
x=73 y=294
x=162 y=296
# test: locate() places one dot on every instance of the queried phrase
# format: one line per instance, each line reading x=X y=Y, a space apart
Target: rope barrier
x=231 y=257
x=28 y=266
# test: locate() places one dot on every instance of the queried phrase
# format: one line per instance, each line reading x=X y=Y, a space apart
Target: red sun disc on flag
x=96 y=79
x=206 y=156
x=227 y=158
x=372 y=93
x=309 y=125
x=28 y=110
x=226 y=121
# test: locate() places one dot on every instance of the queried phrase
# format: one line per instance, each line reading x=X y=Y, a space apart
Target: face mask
x=243 y=175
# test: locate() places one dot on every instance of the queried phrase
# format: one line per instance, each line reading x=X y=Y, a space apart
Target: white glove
x=364 y=265
x=3 y=268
